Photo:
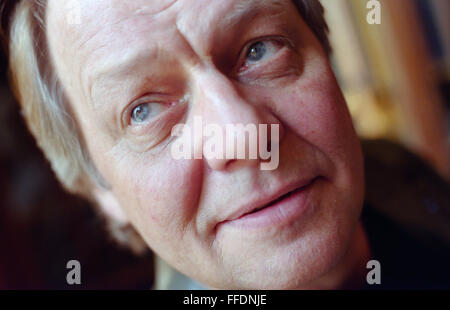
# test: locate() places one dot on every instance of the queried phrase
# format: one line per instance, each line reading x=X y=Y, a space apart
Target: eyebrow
x=243 y=12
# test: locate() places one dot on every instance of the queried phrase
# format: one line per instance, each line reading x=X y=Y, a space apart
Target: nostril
x=230 y=162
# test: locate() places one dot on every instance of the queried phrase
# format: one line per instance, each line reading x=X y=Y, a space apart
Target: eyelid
x=275 y=38
x=150 y=98
x=153 y=132
x=127 y=113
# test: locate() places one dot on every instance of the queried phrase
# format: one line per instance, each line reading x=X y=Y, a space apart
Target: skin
x=163 y=51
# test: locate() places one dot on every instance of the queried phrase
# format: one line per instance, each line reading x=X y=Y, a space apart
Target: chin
x=296 y=265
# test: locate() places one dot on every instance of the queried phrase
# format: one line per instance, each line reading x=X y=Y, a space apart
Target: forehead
x=103 y=20
x=101 y=15
x=111 y=32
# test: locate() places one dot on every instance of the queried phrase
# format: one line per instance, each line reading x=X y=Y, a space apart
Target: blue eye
x=140 y=113
x=260 y=51
x=257 y=51
x=146 y=112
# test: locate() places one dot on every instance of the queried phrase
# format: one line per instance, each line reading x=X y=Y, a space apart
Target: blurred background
x=395 y=77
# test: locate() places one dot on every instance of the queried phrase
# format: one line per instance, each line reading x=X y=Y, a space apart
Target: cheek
x=159 y=194
x=315 y=110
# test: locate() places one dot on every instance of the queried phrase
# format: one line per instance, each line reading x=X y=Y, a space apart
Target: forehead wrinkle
x=144 y=10
x=219 y=22
x=250 y=8
x=106 y=70
x=147 y=12
x=99 y=24
x=110 y=70
x=121 y=64
x=239 y=11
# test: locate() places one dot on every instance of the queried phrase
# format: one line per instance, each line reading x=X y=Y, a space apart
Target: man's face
x=126 y=68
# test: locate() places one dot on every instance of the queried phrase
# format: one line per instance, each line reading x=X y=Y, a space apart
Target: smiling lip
x=280 y=210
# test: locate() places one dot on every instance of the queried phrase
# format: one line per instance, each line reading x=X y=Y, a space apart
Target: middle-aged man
x=127 y=72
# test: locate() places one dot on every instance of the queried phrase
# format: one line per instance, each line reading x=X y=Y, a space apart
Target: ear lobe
x=109 y=204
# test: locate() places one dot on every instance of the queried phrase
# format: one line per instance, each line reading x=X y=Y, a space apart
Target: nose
x=235 y=125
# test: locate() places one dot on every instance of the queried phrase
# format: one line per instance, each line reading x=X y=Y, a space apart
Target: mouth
x=280 y=208
x=276 y=201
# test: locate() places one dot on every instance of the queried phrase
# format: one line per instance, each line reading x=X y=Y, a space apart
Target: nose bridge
x=220 y=104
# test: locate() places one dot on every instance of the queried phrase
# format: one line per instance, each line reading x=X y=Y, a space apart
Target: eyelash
x=281 y=41
x=172 y=106
x=128 y=113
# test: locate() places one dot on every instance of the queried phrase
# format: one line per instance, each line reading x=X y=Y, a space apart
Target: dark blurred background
x=395 y=77
x=42 y=227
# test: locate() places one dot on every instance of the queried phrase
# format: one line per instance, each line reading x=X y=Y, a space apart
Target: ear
x=109 y=204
